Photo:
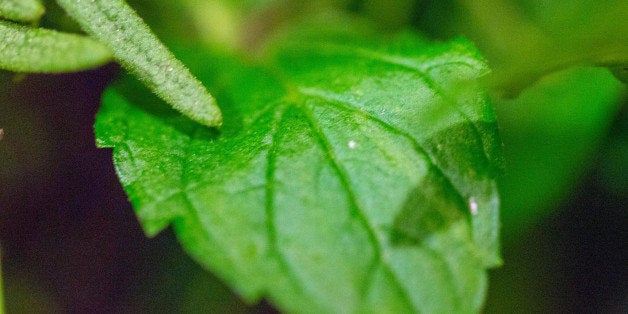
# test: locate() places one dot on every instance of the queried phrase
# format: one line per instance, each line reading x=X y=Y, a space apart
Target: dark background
x=70 y=241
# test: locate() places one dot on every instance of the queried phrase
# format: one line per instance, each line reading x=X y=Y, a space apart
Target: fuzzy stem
x=139 y=51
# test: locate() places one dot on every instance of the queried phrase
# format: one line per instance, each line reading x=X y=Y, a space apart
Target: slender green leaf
x=25 y=49
x=141 y=52
x=21 y=10
x=349 y=177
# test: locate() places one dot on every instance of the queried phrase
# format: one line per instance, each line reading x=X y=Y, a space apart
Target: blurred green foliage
x=550 y=134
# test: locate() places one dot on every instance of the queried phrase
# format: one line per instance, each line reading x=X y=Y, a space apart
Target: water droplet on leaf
x=473 y=206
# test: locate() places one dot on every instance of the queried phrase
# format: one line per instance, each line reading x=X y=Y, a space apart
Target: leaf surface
x=26 y=49
x=350 y=176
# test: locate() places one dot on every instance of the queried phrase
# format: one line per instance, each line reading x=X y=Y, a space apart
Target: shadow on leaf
x=432 y=207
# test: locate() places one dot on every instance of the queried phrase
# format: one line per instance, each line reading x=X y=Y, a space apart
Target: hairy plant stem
x=139 y=51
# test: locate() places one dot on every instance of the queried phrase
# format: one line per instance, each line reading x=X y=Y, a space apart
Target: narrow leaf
x=25 y=49
x=350 y=176
x=21 y=10
x=141 y=52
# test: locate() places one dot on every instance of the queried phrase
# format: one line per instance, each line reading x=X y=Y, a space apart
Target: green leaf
x=140 y=52
x=25 y=49
x=349 y=176
x=21 y=10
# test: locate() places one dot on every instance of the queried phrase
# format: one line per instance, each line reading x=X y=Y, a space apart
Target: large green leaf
x=349 y=176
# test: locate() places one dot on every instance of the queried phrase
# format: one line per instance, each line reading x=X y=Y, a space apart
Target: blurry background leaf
x=525 y=39
x=21 y=10
x=620 y=72
x=546 y=36
x=614 y=157
x=232 y=25
x=26 y=49
x=56 y=18
x=550 y=134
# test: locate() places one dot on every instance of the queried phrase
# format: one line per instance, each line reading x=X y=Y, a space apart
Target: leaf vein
x=269 y=201
x=355 y=208
x=354 y=109
x=408 y=64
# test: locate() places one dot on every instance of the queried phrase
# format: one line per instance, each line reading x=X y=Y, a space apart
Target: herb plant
x=324 y=156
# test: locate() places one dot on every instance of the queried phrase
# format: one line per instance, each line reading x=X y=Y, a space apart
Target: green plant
x=356 y=170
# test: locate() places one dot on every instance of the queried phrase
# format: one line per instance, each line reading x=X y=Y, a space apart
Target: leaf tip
x=38 y=11
x=207 y=114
